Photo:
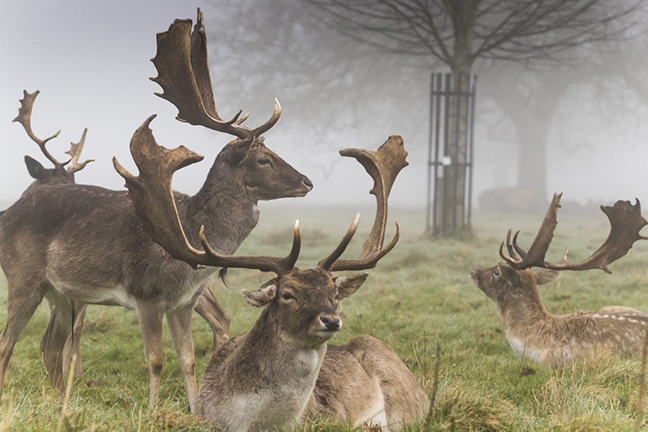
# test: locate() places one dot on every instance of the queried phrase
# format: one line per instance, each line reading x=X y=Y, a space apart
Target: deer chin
x=257 y=194
x=323 y=335
x=320 y=332
x=299 y=193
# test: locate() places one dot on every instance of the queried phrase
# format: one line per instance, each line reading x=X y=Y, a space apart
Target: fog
x=90 y=60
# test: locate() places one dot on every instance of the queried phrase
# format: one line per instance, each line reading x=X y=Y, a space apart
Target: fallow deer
x=44 y=247
x=282 y=371
x=559 y=340
x=59 y=174
x=207 y=305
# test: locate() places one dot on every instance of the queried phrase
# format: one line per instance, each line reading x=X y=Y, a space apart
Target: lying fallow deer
x=86 y=244
x=282 y=371
x=559 y=340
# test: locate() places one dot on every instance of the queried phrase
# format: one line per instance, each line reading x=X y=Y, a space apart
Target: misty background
x=90 y=60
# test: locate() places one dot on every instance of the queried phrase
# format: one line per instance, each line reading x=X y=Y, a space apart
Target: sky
x=90 y=60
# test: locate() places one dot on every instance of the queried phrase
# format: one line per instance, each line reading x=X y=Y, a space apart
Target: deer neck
x=267 y=337
x=223 y=206
x=291 y=368
x=524 y=316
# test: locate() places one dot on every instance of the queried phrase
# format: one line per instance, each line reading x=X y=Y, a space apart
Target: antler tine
x=626 y=223
x=242 y=119
x=155 y=205
x=183 y=74
x=369 y=261
x=328 y=262
x=276 y=114
x=536 y=254
x=24 y=118
x=506 y=258
x=383 y=165
x=512 y=253
x=75 y=153
x=519 y=250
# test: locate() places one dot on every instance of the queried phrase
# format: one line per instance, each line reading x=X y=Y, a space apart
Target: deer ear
x=508 y=273
x=348 y=285
x=545 y=276
x=260 y=297
x=236 y=152
x=36 y=170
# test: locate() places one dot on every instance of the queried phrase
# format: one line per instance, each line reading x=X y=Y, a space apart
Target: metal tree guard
x=443 y=155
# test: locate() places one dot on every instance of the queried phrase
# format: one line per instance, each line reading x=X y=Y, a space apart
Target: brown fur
x=557 y=340
x=76 y=243
x=281 y=372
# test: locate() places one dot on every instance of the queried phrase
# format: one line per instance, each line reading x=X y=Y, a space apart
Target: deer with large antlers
x=44 y=247
x=559 y=340
x=282 y=371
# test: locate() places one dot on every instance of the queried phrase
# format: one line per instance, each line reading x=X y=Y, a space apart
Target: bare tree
x=608 y=85
x=331 y=88
x=458 y=34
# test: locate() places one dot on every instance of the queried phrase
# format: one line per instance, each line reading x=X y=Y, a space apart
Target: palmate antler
x=625 y=224
x=24 y=118
x=183 y=74
x=155 y=205
x=383 y=166
x=75 y=153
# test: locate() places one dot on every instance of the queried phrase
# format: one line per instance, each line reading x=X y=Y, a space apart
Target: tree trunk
x=451 y=186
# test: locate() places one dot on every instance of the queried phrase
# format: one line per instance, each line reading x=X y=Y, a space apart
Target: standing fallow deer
x=282 y=371
x=86 y=244
x=56 y=175
x=207 y=306
x=559 y=340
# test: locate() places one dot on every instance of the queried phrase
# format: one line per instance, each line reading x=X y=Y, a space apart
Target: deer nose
x=306 y=181
x=331 y=322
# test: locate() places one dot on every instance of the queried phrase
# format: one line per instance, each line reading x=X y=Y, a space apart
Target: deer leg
x=73 y=344
x=149 y=315
x=56 y=335
x=23 y=300
x=216 y=316
x=179 y=322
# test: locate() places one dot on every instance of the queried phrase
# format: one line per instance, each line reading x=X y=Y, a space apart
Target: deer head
x=303 y=302
x=183 y=73
x=514 y=278
x=58 y=174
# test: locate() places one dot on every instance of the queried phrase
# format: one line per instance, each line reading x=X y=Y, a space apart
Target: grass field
x=419 y=296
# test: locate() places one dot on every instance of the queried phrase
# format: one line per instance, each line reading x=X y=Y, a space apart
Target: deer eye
x=264 y=161
x=496 y=273
x=287 y=296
